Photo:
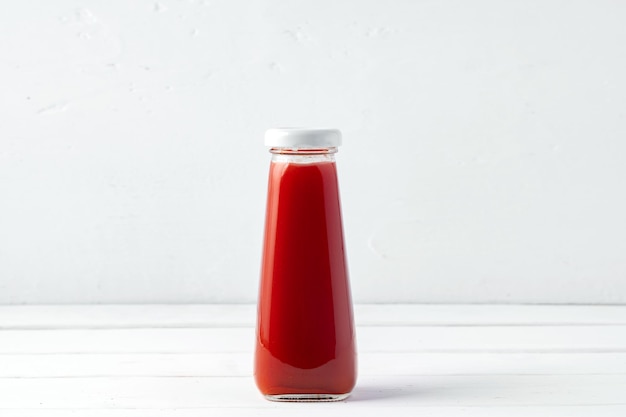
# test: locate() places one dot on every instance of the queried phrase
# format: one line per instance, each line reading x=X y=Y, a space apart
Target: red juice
x=305 y=332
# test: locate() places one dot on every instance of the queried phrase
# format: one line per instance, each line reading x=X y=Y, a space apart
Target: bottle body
x=305 y=347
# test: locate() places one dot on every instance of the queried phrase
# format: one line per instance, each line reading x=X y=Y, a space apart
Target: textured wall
x=483 y=159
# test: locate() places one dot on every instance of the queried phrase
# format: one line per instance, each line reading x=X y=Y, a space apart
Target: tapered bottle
x=305 y=341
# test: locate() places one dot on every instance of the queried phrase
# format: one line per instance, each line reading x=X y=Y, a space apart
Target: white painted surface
x=483 y=156
x=428 y=360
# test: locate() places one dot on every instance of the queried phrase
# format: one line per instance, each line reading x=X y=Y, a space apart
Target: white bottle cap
x=296 y=137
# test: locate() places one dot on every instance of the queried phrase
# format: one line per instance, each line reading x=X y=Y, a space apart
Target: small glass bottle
x=305 y=344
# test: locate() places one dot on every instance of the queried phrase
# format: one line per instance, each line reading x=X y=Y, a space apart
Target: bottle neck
x=303 y=151
x=303 y=155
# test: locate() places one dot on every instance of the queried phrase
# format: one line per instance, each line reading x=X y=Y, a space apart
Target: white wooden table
x=414 y=360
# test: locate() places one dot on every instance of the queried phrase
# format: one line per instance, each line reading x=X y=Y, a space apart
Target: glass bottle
x=305 y=344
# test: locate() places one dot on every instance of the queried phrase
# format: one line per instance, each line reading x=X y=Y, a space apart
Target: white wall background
x=484 y=156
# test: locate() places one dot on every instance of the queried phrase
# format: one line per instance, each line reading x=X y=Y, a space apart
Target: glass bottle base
x=307 y=397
